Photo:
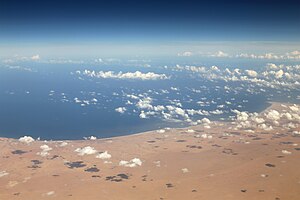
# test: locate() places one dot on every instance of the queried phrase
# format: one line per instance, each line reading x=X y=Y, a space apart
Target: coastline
x=214 y=160
x=271 y=104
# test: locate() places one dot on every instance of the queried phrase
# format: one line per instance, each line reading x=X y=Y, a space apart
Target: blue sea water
x=38 y=98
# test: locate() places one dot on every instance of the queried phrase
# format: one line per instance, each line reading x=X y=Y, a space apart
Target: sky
x=35 y=24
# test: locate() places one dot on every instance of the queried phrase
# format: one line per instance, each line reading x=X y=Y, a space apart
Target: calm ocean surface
x=56 y=100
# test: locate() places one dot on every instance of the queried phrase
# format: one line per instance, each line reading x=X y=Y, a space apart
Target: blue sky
x=35 y=24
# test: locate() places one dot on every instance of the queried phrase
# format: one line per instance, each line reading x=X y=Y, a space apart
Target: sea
x=58 y=99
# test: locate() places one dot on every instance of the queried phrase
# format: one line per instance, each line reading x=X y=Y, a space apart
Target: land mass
x=256 y=156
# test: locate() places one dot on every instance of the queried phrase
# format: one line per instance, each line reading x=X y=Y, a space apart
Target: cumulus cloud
x=121 y=110
x=86 y=151
x=132 y=163
x=104 y=155
x=26 y=139
x=129 y=75
x=220 y=54
x=273 y=115
x=45 y=150
x=92 y=138
x=251 y=73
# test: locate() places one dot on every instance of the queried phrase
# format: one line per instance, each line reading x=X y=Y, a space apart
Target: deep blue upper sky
x=123 y=21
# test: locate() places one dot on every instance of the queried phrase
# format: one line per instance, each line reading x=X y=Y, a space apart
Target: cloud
x=273 y=115
x=45 y=150
x=184 y=170
x=104 y=155
x=3 y=173
x=143 y=115
x=279 y=74
x=220 y=54
x=26 y=139
x=129 y=75
x=90 y=138
x=185 y=54
x=132 y=163
x=50 y=193
x=251 y=73
x=294 y=55
x=85 y=151
x=35 y=57
x=145 y=103
x=63 y=144
x=121 y=110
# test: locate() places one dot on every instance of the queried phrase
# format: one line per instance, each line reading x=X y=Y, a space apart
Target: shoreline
x=271 y=103
x=215 y=160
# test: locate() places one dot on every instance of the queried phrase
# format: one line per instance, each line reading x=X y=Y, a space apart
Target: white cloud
x=143 y=115
x=26 y=139
x=279 y=74
x=286 y=152
x=184 y=170
x=185 y=54
x=273 y=115
x=85 y=151
x=145 y=103
x=294 y=55
x=3 y=173
x=132 y=163
x=121 y=110
x=161 y=131
x=63 y=144
x=251 y=73
x=104 y=155
x=45 y=150
x=220 y=54
x=129 y=75
x=35 y=57
x=50 y=193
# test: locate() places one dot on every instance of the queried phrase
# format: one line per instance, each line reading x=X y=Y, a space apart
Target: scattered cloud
x=185 y=54
x=121 y=110
x=132 y=163
x=120 y=75
x=86 y=151
x=104 y=155
x=26 y=139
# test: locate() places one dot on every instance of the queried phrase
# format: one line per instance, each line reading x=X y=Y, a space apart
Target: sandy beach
x=213 y=160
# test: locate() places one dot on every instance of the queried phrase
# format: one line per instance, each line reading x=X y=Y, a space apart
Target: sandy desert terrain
x=242 y=159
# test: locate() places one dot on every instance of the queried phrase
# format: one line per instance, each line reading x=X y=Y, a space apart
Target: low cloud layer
x=128 y=75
